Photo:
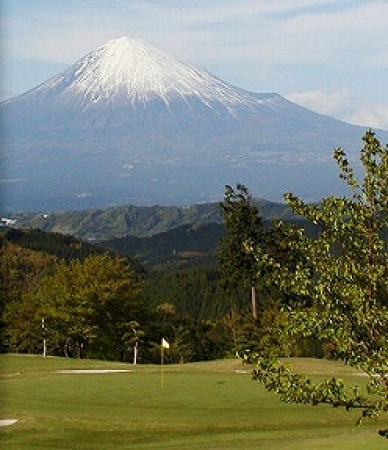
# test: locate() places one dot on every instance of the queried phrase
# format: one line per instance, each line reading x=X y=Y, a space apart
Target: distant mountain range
x=128 y=124
x=97 y=225
x=161 y=237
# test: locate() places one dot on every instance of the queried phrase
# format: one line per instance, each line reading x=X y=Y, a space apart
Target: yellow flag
x=165 y=344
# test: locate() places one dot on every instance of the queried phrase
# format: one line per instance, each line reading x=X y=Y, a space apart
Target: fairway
x=212 y=405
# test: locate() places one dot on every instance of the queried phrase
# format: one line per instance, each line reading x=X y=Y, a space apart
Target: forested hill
x=189 y=245
x=181 y=247
x=62 y=247
x=136 y=221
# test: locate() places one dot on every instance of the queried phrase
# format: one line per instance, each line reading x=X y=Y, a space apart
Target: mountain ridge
x=136 y=221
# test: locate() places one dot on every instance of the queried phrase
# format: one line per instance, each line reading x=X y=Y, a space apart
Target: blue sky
x=329 y=55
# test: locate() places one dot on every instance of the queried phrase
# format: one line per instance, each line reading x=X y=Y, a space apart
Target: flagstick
x=161 y=366
x=164 y=344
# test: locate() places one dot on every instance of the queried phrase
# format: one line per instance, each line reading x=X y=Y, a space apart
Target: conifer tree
x=243 y=224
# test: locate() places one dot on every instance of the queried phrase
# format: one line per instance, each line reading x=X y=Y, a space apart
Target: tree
x=132 y=338
x=344 y=274
x=20 y=271
x=243 y=224
x=21 y=268
x=85 y=304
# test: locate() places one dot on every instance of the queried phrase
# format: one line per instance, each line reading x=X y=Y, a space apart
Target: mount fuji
x=127 y=124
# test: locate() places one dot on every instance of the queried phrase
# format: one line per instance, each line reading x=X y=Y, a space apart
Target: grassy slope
x=202 y=405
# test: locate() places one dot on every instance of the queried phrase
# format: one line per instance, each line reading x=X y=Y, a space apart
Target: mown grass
x=203 y=405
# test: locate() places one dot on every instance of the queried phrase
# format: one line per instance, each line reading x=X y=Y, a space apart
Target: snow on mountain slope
x=128 y=69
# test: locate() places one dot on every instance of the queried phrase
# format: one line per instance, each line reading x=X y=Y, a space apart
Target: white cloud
x=330 y=103
x=374 y=116
x=340 y=104
x=278 y=31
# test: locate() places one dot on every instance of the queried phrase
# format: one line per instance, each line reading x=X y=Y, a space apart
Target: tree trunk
x=254 y=306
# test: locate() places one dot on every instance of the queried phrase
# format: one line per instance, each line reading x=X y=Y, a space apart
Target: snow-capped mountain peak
x=129 y=124
x=138 y=72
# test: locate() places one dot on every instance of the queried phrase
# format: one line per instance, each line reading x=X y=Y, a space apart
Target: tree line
x=101 y=305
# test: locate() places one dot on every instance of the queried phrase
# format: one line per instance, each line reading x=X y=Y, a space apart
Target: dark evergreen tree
x=243 y=227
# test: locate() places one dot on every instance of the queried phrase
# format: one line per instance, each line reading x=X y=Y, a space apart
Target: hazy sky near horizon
x=328 y=55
